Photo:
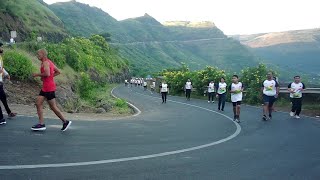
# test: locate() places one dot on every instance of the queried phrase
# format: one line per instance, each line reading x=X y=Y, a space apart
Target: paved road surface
x=164 y=142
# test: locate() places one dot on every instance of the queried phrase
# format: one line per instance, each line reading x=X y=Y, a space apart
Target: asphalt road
x=178 y=140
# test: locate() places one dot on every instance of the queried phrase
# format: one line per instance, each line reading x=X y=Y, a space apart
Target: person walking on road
x=145 y=85
x=47 y=73
x=188 y=88
x=164 y=89
x=270 y=90
x=3 y=97
x=221 y=94
x=152 y=87
x=211 y=90
x=296 y=88
x=236 y=89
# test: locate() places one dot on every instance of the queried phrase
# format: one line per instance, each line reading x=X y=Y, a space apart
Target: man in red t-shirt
x=47 y=73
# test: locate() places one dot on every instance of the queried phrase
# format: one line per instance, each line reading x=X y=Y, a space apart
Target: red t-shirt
x=48 y=84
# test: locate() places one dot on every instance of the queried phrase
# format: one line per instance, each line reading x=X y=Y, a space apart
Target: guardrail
x=307 y=91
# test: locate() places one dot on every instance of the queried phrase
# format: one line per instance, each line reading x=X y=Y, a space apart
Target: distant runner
x=3 y=97
x=236 y=89
x=296 y=88
x=131 y=82
x=164 y=89
x=153 y=86
x=188 y=88
x=221 y=94
x=48 y=72
x=270 y=89
x=145 y=85
x=211 y=88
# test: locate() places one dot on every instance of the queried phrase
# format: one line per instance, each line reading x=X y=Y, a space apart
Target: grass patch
x=101 y=95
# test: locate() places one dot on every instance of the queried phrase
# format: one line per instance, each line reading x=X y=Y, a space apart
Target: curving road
x=177 y=140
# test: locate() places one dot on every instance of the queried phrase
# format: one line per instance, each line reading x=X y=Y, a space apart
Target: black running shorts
x=48 y=95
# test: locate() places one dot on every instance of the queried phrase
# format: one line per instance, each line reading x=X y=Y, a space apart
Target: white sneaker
x=297 y=117
x=208 y=101
x=291 y=114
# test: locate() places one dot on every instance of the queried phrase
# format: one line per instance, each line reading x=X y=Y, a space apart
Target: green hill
x=151 y=46
x=295 y=51
x=30 y=19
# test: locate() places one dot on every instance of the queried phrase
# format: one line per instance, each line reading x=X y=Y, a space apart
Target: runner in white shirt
x=211 y=88
x=188 y=88
x=164 y=89
x=145 y=85
x=296 y=88
x=270 y=89
x=131 y=82
x=152 y=86
x=236 y=89
x=221 y=94
x=3 y=97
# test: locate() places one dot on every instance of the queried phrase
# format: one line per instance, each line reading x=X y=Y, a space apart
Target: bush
x=18 y=65
x=85 y=87
x=121 y=103
x=56 y=53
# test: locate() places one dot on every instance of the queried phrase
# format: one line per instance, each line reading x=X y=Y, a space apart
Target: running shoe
x=297 y=117
x=66 y=125
x=3 y=121
x=264 y=117
x=11 y=115
x=291 y=114
x=39 y=127
x=270 y=117
x=237 y=120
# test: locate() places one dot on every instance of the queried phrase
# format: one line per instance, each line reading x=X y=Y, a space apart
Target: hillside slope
x=30 y=19
x=291 y=49
x=150 y=46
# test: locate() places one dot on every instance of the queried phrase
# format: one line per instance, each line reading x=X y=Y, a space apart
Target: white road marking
x=87 y=163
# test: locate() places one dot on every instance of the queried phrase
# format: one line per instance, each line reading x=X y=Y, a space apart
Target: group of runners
x=48 y=71
x=269 y=89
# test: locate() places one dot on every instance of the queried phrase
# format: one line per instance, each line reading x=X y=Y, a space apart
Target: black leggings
x=210 y=96
x=164 y=96
x=296 y=105
x=3 y=99
x=222 y=101
x=188 y=93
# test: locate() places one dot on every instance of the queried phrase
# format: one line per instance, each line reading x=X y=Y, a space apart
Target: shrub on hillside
x=18 y=65
x=56 y=53
x=85 y=86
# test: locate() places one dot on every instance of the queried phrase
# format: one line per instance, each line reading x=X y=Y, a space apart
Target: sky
x=231 y=16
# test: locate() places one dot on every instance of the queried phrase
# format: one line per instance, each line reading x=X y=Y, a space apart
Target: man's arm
x=46 y=72
x=277 y=89
x=56 y=71
x=6 y=74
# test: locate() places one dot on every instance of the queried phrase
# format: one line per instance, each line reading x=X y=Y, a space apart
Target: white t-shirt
x=188 y=85
x=164 y=87
x=297 y=88
x=235 y=97
x=5 y=73
x=270 y=87
x=145 y=83
x=211 y=87
x=153 y=85
x=222 y=88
